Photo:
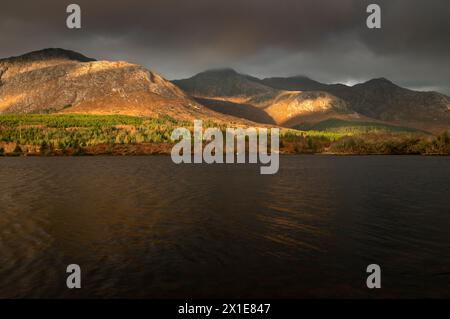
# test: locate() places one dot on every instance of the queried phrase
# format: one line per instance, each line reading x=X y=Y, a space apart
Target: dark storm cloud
x=326 y=39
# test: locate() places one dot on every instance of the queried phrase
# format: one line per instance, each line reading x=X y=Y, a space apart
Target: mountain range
x=62 y=81
x=297 y=100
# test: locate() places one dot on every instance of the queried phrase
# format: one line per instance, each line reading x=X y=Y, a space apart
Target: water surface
x=143 y=227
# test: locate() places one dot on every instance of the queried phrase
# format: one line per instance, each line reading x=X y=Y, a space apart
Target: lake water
x=143 y=227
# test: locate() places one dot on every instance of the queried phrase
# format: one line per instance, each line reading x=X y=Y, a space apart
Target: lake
x=143 y=227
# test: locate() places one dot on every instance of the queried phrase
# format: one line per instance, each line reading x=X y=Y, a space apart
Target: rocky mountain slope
x=382 y=100
x=225 y=83
x=56 y=80
x=229 y=92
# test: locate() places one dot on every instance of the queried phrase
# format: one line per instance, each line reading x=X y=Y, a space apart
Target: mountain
x=62 y=81
x=57 y=80
x=294 y=83
x=381 y=100
x=224 y=83
x=229 y=92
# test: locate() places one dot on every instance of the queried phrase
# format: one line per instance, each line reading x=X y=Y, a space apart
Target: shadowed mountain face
x=225 y=83
x=245 y=111
x=298 y=100
x=56 y=80
x=382 y=100
x=386 y=101
x=245 y=96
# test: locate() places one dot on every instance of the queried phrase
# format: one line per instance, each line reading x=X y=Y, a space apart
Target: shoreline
x=164 y=149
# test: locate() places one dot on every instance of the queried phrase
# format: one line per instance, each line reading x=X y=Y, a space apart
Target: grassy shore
x=71 y=134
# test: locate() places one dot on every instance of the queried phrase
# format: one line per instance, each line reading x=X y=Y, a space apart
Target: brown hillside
x=244 y=96
x=56 y=80
x=381 y=100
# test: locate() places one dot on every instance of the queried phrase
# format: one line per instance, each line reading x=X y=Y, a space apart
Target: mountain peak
x=380 y=82
x=51 y=53
x=57 y=80
x=224 y=82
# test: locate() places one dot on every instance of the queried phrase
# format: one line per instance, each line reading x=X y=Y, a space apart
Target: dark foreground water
x=144 y=227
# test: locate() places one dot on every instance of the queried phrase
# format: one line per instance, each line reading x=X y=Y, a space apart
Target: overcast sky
x=324 y=39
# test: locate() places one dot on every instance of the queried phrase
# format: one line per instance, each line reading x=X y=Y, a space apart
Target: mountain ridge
x=63 y=81
x=377 y=99
x=231 y=92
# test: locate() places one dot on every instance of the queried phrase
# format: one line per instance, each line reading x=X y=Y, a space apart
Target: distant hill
x=62 y=81
x=225 y=83
x=229 y=92
x=380 y=99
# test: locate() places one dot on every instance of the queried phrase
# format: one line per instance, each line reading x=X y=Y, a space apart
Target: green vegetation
x=72 y=120
x=71 y=134
x=355 y=127
x=292 y=135
x=74 y=131
x=353 y=137
x=393 y=144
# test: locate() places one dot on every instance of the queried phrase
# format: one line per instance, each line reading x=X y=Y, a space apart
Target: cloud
x=325 y=39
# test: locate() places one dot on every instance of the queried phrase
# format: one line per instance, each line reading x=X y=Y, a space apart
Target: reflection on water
x=144 y=227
